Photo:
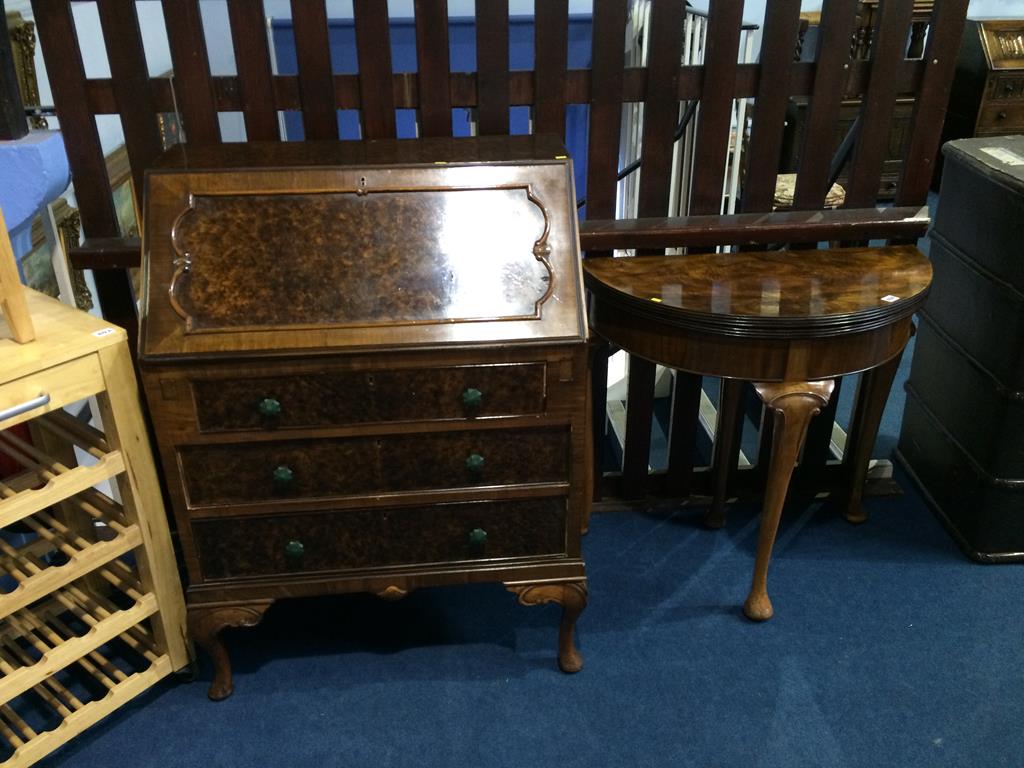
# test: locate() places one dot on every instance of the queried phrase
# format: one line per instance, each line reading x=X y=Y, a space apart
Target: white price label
x=103 y=332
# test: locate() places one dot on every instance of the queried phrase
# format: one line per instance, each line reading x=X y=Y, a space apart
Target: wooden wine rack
x=91 y=609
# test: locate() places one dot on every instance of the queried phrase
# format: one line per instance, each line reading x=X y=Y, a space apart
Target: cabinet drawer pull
x=28 y=405
x=270 y=408
x=283 y=477
x=475 y=463
x=472 y=398
x=477 y=541
x=294 y=549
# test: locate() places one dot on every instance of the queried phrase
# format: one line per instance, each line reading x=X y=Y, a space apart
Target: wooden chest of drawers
x=367 y=371
x=987 y=94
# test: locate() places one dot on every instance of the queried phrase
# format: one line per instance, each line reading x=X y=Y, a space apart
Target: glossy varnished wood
x=776 y=294
x=789 y=321
x=341 y=402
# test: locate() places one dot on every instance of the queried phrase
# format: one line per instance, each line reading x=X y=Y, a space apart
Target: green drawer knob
x=477 y=537
x=283 y=476
x=270 y=408
x=293 y=550
x=472 y=398
x=475 y=463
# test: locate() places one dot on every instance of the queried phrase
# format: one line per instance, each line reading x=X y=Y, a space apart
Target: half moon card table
x=788 y=321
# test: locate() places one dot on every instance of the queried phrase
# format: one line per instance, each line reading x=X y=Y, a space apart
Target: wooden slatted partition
x=373 y=42
x=193 y=84
x=252 y=61
x=432 y=62
x=434 y=90
x=492 y=67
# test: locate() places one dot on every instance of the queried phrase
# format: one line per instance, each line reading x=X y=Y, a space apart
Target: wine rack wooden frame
x=91 y=610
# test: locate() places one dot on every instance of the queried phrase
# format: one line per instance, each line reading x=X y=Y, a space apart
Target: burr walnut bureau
x=366 y=367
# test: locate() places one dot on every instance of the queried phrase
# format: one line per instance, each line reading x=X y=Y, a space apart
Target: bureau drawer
x=49 y=389
x=1001 y=118
x=327 y=467
x=230 y=548
x=338 y=398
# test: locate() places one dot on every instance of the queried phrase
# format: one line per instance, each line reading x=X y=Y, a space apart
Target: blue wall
x=462 y=52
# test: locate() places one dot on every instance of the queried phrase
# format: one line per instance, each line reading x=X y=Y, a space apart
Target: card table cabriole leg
x=793 y=404
x=205 y=623
x=572 y=596
x=872 y=395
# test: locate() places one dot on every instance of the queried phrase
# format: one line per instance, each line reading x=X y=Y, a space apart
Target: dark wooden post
x=13 y=124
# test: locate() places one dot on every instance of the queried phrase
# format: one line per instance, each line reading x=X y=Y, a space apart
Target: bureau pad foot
x=205 y=625
x=572 y=596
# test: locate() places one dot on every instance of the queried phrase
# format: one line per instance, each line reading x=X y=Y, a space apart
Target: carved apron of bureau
x=366 y=367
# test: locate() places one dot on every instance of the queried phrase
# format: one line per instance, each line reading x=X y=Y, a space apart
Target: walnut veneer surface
x=367 y=370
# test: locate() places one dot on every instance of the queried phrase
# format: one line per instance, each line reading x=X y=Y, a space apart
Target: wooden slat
x=130 y=80
x=373 y=44
x=63 y=57
x=193 y=86
x=99 y=92
x=661 y=111
x=316 y=83
x=605 y=108
x=832 y=67
x=714 y=118
x=940 y=55
x=683 y=433
x=59 y=41
x=599 y=352
x=892 y=27
x=432 y=63
x=492 y=84
x=778 y=42
x=255 y=78
x=551 y=36
x=639 y=410
x=61 y=486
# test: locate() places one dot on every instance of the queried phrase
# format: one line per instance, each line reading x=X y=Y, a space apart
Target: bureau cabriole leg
x=205 y=624
x=572 y=596
x=793 y=405
x=872 y=394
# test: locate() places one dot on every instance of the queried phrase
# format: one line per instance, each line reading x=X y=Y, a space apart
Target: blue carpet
x=888 y=648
